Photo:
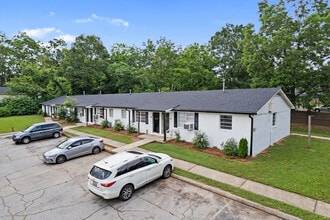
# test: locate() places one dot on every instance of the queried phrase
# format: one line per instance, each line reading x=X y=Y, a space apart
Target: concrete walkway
x=303 y=202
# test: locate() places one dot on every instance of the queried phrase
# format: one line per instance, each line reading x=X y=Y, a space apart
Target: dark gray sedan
x=73 y=147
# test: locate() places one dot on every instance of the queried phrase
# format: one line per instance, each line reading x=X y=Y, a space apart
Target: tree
x=85 y=65
x=157 y=64
x=225 y=45
x=193 y=69
x=122 y=70
x=291 y=49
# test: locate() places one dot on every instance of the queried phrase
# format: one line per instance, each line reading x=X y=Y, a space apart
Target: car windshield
x=29 y=128
x=100 y=173
x=64 y=144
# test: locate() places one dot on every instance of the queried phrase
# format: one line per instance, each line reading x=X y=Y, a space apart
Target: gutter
x=251 y=135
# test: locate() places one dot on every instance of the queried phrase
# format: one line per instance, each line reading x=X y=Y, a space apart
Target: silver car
x=73 y=147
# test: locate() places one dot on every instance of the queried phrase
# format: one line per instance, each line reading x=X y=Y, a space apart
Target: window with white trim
x=185 y=118
x=226 y=122
x=274 y=119
x=123 y=113
x=141 y=117
x=101 y=112
x=111 y=112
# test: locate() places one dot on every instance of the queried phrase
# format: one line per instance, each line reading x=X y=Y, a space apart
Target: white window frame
x=123 y=113
x=185 y=118
x=111 y=112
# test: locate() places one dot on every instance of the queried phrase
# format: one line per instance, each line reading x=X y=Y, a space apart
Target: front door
x=156 y=122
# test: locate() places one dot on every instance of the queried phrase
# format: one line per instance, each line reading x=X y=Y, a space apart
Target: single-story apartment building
x=260 y=115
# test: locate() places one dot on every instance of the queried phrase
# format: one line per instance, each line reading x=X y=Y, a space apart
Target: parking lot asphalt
x=31 y=189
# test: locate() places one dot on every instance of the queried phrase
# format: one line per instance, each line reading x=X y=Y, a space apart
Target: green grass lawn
x=288 y=165
x=317 y=131
x=18 y=123
x=303 y=214
x=106 y=134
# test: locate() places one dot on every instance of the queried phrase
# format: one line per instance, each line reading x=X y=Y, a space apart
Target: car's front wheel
x=60 y=159
x=126 y=192
x=26 y=140
x=167 y=172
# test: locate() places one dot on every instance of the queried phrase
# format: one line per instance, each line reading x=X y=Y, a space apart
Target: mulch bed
x=210 y=150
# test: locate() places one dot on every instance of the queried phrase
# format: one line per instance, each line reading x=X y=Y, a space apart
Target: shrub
x=105 y=124
x=4 y=111
x=22 y=105
x=230 y=147
x=131 y=129
x=118 y=125
x=61 y=113
x=243 y=148
x=177 y=136
x=200 y=140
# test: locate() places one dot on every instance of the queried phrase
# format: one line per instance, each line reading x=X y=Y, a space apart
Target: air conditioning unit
x=188 y=126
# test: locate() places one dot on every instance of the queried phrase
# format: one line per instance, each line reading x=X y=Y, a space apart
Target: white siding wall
x=209 y=123
x=265 y=133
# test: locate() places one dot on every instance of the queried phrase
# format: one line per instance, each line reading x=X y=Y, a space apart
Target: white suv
x=120 y=174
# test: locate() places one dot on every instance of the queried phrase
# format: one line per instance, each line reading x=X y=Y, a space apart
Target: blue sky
x=125 y=21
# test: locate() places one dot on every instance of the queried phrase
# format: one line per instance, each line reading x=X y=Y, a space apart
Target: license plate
x=94 y=183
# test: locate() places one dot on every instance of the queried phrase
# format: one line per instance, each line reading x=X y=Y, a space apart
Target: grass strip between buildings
x=289 y=209
x=315 y=130
x=18 y=123
x=105 y=134
x=288 y=165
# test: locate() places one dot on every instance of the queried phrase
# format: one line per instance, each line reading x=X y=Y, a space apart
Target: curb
x=237 y=198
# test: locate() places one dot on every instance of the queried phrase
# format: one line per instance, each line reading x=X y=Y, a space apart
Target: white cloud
x=40 y=32
x=119 y=22
x=86 y=20
x=52 y=13
x=114 y=21
x=96 y=17
x=67 y=38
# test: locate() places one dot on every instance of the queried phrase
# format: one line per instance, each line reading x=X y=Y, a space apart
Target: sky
x=132 y=22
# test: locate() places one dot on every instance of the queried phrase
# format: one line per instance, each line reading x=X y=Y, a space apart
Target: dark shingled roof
x=247 y=101
x=3 y=90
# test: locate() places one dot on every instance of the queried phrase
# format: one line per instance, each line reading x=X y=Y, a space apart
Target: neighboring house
x=4 y=92
x=262 y=116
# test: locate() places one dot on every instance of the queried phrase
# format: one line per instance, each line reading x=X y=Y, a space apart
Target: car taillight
x=61 y=129
x=101 y=140
x=108 y=184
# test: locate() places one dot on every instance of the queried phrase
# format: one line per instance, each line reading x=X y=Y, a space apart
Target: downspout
x=164 y=126
x=251 y=135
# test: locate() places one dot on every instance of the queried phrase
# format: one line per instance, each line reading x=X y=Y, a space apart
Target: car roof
x=44 y=123
x=81 y=137
x=119 y=159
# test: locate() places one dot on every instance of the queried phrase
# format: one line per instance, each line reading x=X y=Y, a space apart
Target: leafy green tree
x=85 y=64
x=225 y=45
x=122 y=70
x=193 y=69
x=5 y=73
x=158 y=61
x=291 y=49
